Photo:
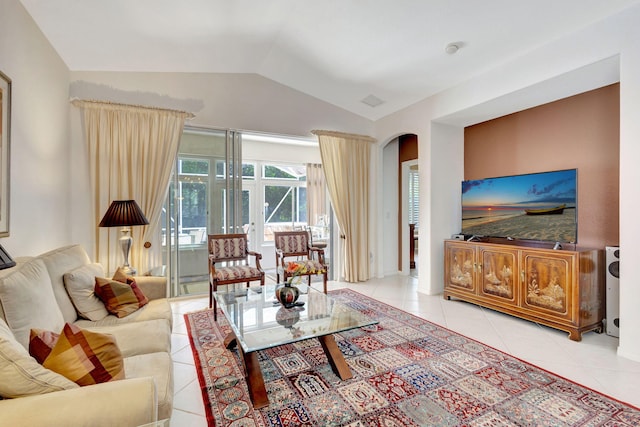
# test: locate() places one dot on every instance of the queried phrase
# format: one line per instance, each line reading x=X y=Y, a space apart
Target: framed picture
x=5 y=140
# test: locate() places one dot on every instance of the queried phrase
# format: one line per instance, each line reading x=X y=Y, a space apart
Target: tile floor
x=592 y=362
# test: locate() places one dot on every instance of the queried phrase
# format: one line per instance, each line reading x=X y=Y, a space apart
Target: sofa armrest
x=130 y=402
x=153 y=287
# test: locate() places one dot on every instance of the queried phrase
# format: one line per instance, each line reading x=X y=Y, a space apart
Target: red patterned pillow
x=119 y=298
x=120 y=276
x=85 y=357
x=41 y=343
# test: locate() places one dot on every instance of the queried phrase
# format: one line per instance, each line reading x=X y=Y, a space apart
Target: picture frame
x=5 y=144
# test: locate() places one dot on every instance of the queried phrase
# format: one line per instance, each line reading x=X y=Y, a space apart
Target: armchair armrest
x=319 y=251
x=258 y=256
x=130 y=402
x=153 y=287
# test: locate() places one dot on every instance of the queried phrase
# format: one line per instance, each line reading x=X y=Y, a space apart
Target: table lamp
x=124 y=213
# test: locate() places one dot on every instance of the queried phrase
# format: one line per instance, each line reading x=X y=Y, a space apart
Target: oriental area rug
x=406 y=372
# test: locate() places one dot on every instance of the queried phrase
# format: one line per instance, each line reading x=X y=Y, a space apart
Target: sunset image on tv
x=538 y=206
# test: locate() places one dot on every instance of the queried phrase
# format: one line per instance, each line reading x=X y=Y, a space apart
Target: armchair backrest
x=292 y=243
x=228 y=247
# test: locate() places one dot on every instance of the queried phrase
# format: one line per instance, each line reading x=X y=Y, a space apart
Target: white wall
x=39 y=183
x=390 y=214
x=598 y=55
x=629 y=200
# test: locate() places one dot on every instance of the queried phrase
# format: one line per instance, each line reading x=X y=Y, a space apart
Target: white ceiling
x=340 y=51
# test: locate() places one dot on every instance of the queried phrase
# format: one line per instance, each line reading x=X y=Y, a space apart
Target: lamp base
x=128 y=270
x=125 y=244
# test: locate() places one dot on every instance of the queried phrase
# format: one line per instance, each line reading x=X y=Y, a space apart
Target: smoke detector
x=452 y=48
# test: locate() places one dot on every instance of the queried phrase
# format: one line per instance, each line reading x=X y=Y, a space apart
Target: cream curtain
x=131 y=153
x=316 y=191
x=346 y=159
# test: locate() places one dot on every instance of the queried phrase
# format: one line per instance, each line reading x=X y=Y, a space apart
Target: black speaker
x=612 y=282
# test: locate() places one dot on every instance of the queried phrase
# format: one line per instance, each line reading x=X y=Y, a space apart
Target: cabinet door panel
x=548 y=283
x=498 y=273
x=460 y=266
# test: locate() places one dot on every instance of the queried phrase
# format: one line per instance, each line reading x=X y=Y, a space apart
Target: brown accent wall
x=407 y=150
x=582 y=132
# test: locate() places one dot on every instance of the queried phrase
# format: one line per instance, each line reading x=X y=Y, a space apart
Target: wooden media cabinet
x=563 y=289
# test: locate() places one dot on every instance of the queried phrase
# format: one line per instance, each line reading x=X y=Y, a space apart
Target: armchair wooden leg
x=212 y=289
x=210 y=295
x=324 y=282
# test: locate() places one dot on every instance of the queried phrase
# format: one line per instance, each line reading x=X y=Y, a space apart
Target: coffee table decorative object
x=287 y=294
x=259 y=322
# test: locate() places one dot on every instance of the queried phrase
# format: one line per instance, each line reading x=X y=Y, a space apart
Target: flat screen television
x=536 y=206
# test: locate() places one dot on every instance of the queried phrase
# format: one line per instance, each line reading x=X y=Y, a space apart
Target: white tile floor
x=592 y=362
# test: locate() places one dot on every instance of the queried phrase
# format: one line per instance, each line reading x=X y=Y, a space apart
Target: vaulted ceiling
x=340 y=51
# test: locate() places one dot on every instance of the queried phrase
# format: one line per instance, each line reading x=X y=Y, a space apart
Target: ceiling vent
x=372 y=101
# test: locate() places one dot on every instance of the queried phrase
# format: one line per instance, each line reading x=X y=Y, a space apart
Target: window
x=285 y=198
x=414 y=196
x=191 y=202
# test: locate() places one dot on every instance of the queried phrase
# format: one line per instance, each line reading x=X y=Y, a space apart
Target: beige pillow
x=80 y=284
x=20 y=374
x=28 y=301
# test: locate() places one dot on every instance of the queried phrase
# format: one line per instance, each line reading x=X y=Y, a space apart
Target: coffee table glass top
x=259 y=321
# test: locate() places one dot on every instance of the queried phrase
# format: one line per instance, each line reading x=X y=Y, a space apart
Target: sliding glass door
x=205 y=197
x=215 y=190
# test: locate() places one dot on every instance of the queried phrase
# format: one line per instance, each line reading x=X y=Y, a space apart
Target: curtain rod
x=343 y=135
x=92 y=102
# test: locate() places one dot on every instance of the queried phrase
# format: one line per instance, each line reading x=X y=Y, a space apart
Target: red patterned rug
x=406 y=372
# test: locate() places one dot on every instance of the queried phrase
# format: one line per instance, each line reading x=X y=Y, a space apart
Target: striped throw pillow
x=121 y=276
x=85 y=357
x=119 y=298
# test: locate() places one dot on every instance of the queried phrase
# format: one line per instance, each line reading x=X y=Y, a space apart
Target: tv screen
x=536 y=206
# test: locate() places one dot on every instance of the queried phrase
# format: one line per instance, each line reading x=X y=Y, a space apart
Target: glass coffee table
x=258 y=322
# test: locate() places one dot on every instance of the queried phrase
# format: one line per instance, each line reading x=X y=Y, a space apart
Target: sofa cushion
x=58 y=262
x=134 y=338
x=156 y=309
x=86 y=357
x=28 y=301
x=160 y=367
x=80 y=284
x=20 y=374
x=119 y=298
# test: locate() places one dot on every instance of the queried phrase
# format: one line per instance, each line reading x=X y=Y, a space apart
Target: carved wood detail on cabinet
x=563 y=289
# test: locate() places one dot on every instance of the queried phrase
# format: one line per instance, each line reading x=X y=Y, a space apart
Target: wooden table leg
x=255 y=381
x=336 y=359
x=230 y=341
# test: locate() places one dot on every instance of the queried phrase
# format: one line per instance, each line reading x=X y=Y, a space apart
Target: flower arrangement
x=296 y=269
x=289 y=293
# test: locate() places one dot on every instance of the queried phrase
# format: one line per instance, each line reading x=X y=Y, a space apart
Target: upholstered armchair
x=294 y=247
x=229 y=264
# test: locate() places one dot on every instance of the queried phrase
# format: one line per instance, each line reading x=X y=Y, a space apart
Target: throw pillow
x=86 y=357
x=41 y=343
x=118 y=297
x=120 y=276
x=80 y=284
x=20 y=374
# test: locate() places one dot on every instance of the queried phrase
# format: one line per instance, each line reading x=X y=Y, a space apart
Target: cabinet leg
x=575 y=335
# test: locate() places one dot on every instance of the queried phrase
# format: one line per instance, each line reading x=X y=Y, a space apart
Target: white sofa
x=33 y=295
